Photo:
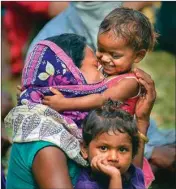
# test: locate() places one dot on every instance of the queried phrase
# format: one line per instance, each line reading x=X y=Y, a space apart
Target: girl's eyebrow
x=104 y=142
x=110 y=51
x=115 y=53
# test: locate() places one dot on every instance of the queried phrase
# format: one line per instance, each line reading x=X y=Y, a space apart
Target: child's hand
x=100 y=164
x=56 y=101
x=19 y=90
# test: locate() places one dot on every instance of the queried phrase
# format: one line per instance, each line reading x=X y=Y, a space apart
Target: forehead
x=109 y=40
x=113 y=138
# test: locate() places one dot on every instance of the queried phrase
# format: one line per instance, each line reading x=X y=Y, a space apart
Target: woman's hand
x=146 y=100
x=56 y=101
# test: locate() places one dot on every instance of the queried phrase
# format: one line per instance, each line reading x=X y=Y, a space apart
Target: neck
x=92 y=78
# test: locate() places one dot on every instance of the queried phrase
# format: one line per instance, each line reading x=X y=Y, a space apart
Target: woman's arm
x=143 y=109
x=123 y=90
x=50 y=169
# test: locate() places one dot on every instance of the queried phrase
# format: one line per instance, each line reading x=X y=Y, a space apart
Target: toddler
x=110 y=142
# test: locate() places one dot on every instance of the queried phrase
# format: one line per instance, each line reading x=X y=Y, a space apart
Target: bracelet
x=143 y=137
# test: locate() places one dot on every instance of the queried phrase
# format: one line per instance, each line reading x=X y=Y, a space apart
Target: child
x=124 y=37
x=110 y=142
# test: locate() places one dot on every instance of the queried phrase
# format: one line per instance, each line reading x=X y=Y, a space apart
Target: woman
x=47 y=135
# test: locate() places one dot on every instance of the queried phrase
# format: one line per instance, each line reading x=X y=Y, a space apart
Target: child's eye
x=115 y=56
x=103 y=148
x=123 y=149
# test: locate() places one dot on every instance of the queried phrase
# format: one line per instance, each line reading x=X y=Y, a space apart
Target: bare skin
x=50 y=169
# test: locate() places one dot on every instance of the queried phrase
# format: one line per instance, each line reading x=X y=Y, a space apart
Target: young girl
x=110 y=142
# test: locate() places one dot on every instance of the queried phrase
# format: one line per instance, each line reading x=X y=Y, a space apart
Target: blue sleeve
x=138 y=180
x=85 y=182
x=86 y=185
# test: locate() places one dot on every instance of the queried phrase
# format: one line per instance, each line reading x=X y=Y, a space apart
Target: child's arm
x=123 y=90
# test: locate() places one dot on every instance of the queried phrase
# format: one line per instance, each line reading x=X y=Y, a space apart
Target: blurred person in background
x=82 y=18
x=21 y=21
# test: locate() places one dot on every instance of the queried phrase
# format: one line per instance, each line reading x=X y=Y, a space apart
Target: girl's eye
x=103 y=148
x=115 y=56
x=123 y=149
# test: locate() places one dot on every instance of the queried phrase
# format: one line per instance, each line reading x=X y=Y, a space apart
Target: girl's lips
x=108 y=67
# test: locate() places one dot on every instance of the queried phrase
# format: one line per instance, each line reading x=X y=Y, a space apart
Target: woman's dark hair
x=110 y=117
x=72 y=44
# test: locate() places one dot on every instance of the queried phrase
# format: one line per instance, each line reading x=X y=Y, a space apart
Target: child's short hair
x=131 y=25
x=110 y=117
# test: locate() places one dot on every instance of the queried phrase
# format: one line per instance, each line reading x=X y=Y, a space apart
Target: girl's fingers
x=45 y=102
x=101 y=166
x=95 y=162
x=19 y=87
x=54 y=91
x=46 y=98
x=150 y=89
x=141 y=74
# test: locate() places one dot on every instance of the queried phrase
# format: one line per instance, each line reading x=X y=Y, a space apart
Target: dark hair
x=110 y=117
x=73 y=45
x=132 y=25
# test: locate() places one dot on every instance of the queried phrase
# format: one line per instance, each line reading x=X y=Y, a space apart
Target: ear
x=140 y=55
x=84 y=150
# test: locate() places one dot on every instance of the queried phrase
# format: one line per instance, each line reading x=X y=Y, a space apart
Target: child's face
x=115 y=147
x=115 y=56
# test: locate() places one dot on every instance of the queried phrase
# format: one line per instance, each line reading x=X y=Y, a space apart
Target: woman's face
x=89 y=58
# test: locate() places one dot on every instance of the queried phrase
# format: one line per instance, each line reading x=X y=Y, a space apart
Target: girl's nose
x=113 y=156
x=105 y=58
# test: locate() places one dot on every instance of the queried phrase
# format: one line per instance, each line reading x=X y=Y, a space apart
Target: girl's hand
x=100 y=164
x=56 y=101
x=19 y=91
x=146 y=101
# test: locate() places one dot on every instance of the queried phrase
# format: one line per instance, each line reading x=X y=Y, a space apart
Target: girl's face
x=115 y=56
x=115 y=147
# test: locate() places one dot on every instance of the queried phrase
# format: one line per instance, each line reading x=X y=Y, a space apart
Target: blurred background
x=21 y=23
